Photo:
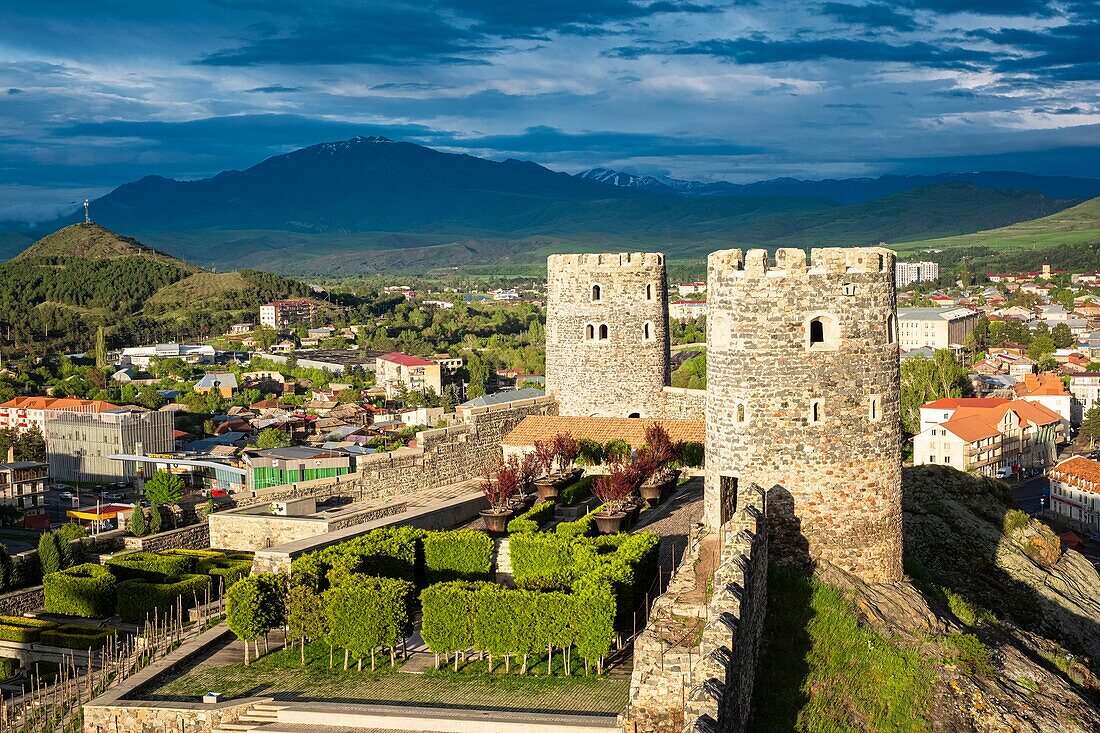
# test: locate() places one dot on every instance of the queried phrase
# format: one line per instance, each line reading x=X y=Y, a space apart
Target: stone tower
x=802 y=393
x=607 y=334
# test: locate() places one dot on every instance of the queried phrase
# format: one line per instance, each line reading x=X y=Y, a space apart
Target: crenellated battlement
x=560 y=263
x=792 y=261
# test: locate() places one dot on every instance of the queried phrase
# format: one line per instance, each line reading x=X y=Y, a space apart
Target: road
x=1030 y=495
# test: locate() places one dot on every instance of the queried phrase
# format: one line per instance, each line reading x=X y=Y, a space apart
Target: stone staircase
x=259 y=715
x=502 y=560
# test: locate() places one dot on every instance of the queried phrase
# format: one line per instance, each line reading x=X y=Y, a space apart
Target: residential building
x=686 y=310
x=1047 y=389
x=1085 y=389
x=224 y=383
x=282 y=466
x=395 y=371
x=239 y=328
x=449 y=366
x=21 y=413
x=441 y=304
x=907 y=273
x=279 y=314
x=1075 y=491
x=998 y=438
x=937 y=328
x=23 y=485
x=686 y=289
x=80 y=445
x=505 y=295
x=142 y=356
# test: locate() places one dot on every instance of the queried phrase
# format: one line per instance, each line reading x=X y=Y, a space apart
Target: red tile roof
x=397 y=357
x=1045 y=384
x=952 y=403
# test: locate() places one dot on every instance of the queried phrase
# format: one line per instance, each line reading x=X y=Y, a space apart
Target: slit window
x=892 y=329
x=740 y=413
x=874 y=408
x=817 y=412
x=649 y=292
x=647 y=331
x=597 y=293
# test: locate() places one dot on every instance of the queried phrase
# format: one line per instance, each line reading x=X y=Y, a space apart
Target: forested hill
x=56 y=294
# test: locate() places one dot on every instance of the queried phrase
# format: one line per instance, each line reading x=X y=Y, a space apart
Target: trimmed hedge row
x=151 y=566
x=463 y=554
x=77 y=637
x=230 y=571
x=576 y=492
x=86 y=590
x=489 y=618
x=8 y=667
x=583 y=527
x=533 y=518
x=23 y=629
x=369 y=613
x=141 y=599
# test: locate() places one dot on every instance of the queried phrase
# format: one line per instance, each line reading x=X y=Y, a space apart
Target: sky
x=93 y=95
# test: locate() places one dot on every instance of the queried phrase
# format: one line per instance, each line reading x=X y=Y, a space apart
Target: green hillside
x=91 y=241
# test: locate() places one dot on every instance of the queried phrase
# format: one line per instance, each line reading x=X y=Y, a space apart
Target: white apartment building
x=685 y=290
x=936 y=328
x=1075 y=491
x=907 y=273
x=141 y=356
x=279 y=314
x=1085 y=390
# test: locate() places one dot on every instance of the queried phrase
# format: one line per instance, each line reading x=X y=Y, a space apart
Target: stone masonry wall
x=193 y=537
x=840 y=472
x=695 y=662
x=18 y=602
x=235 y=530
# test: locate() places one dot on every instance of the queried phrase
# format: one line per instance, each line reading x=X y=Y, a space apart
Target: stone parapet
x=192 y=537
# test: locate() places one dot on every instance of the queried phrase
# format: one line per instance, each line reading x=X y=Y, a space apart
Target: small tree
x=272 y=438
x=49 y=553
x=306 y=617
x=156 y=519
x=164 y=488
x=616 y=487
x=1090 y=425
x=508 y=477
x=565 y=451
x=589 y=452
x=138 y=528
x=544 y=456
x=31 y=446
x=244 y=613
x=7 y=569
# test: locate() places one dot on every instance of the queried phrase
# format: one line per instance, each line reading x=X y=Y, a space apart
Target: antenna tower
x=87 y=219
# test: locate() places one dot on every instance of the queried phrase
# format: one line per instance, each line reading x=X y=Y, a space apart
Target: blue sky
x=96 y=94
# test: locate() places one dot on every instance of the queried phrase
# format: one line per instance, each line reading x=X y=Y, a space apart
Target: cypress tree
x=137 y=522
x=49 y=553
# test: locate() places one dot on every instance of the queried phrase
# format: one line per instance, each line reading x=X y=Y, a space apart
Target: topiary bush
x=199 y=555
x=577 y=491
x=447 y=616
x=390 y=552
x=462 y=554
x=228 y=571
x=8 y=667
x=532 y=519
x=23 y=629
x=77 y=637
x=151 y=566
x=540 y=555
x=49 y=553
x=86 y=590
x=141 y=599
x=369 y=613
x=583 y=527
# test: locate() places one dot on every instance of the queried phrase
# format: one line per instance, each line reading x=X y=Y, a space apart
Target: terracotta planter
x=547 y=489
x=652 y=493
x=496 y=522
x=610 y=523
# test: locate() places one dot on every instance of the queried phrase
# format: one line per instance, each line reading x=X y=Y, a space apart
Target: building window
x=603 y=332
x=874 y=408
x=821 y=333
x=649 y=291
x=891 y=329
x=647 y=331
x=849 y=289
x=589 y=332
x=596 y=293
x=740 y=414
x=817 y=411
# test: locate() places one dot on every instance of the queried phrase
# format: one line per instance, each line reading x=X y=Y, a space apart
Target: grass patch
x=822 y=673
x=969 y=653
x=1015 y=520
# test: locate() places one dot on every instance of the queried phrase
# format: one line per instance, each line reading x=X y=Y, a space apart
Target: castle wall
x=625 y=373
x=840 y=473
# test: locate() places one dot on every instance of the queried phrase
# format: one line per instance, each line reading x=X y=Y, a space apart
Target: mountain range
x=371 y=203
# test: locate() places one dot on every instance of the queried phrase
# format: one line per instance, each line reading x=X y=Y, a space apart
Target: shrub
x=540 y=555
x=616 y=450
x=447 y=616
x=970 y=653
x=7 y=569
x=49 y=553
x=577 y=491
x=1014 y=520
x=530 y=520
x=391 y=552
x=23 y=629
x=582 y=527
x=368 y=614
x=77 y=637
x=140 y=599
x=463 y=554
x=691 y=454
x=150 y=566
x=589 y=452
x=138 y=527
x=86 y=590
x=230 y=571
x=199 y=555
x=156 y=519
x=8 y=667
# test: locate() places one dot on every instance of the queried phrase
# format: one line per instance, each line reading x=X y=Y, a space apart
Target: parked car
x=65 y=495
x=1005 y=472
x=111 y=495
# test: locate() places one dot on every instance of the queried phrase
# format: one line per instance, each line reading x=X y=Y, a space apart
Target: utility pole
x=87 y=218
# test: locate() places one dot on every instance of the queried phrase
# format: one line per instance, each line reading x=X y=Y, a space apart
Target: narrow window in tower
x=596 y=293
x=874 y=410
x=647 y=332
x=891 y=329
x=816 y=411
x=589 y=332
x=849 y=289
x=821 y=333
x=649 y=291
x=603 y=332
x=817 y=332
x=881 y=262
x=740 y=414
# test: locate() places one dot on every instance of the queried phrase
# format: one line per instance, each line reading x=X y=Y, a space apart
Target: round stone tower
x=607 y=334
x=802 y=395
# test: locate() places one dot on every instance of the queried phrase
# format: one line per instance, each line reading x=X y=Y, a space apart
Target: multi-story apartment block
x=141 y=356
x=23 y=485
x=1047 y=389
x=280 y=314
x=1085 y=389
x=396 y=370
x=935 y=328
x=84 y=446
x=907 y=273
x=23 y=413
x=1075 y=491
x=687 y=289
x=993 y=437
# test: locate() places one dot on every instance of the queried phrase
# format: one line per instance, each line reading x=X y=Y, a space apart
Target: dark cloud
x=872 y=15
x=273 y=89
x=521 y=19
x=15 y=90
x=1066 y=52
x=407 y=86
x=1026 y=8
x=543 y=139
x=772 y=51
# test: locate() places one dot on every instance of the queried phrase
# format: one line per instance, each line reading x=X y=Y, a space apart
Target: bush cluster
x=23 y=629
x=577 y=491
x=583 y=527
x=77 y=637
x=153 y=567
x=368 y=614
x=86 y=590
x=8 y=667
x=463 y=554
x=532 y=519
x=140 y=599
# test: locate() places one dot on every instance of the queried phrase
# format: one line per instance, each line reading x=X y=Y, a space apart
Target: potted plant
x=499 y=492
x=660 y=453
x=542 y=463
x=566 y=449
x=613 y=490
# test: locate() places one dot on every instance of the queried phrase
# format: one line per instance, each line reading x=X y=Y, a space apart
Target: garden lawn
x=823 y=673
x=279 y=675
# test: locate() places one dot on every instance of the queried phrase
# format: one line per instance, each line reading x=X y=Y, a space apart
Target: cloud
x=518 y=19
x=273 y=89
x=1025 y=8
x=15 y=90
x=543 y=139
x=1065 y=52
x=872 y=15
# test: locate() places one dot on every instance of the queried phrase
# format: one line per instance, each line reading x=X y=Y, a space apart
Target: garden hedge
x=532 y=519
x=22 y=628
x=199 y=555
x=8 y=667
x=86 y=590
x=139 y=599
x=461 y=554
x=77 y=637
x=583 y=527
x=151 y=566
x=369 y=613
x=230 y=571
x=541 y=555
x=390 y=552
x=447 y=616
x=577 y=491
